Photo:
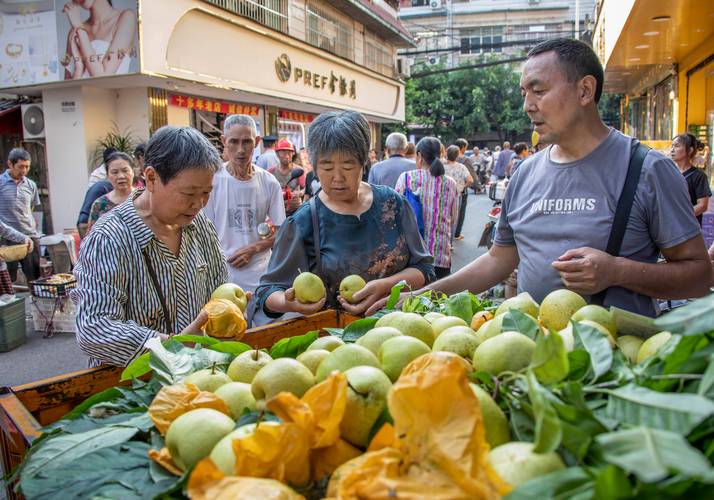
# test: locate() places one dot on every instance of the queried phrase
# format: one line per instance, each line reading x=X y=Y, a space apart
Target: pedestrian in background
x=120 y=173
x=503 y=162
x=463 y=179
x=684 y=149
x=521 y=153
x=19 y=197
x=9 y=234
x=410 y=152
x=386 y=172
x=269 y=158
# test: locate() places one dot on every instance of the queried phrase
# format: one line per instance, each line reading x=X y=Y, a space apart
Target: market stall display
x=445 y=396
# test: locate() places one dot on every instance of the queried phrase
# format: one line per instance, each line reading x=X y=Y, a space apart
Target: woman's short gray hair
x=344 y=132
x=171 y=150
x=242 y=120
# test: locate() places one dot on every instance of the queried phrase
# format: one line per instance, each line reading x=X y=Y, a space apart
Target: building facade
x=451 y=32
x=191 y=63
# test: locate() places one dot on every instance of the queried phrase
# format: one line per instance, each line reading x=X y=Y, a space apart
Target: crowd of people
x=164 y=228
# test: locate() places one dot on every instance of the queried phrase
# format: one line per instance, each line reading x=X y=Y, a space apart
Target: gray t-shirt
x=554 y=207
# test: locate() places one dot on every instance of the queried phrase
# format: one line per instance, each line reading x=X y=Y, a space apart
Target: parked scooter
x=496 y=192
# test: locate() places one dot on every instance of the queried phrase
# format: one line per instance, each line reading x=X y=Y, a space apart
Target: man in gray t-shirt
x=558 y=212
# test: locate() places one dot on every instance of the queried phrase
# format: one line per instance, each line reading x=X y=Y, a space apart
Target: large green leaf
x=356 y=329
x=169 y=367
x=230 y=347
x=548 y=431
x=195 y=339
x=629 y=323
x=611 y=483
x=707 y=381
x=208 y=357
x=674 y=412
x=653 y=454
x=140 y=366
x=459 y=305
x=597 y=346
x=692 y=319
x=516 y=321
x=292 y=347
x=550 y=359
x=394 y=295
x=560 y=485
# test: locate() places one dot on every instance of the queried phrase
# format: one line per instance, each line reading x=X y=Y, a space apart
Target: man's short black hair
x=17 y=154
x=577 y=58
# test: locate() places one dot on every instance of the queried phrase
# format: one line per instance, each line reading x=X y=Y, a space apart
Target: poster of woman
x=98 y=37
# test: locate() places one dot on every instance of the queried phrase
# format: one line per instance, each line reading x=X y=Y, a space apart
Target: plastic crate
x=12 y=325
x=52 y=316
x=45 y=289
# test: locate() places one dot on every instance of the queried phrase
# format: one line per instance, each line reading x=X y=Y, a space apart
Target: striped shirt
x=118 y=308
x=439 y=198
x=16 y=203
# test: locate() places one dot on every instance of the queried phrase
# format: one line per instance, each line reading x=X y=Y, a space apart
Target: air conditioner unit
x=33 y=121
x=433 y=60
x=436 y=4
x=403 y=67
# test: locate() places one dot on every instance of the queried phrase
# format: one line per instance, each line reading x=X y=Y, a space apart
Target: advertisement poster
x=51 y=40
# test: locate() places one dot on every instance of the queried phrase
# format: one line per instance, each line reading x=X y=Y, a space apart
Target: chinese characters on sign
x=296 y=116
x=201 y=104
x=336 y=83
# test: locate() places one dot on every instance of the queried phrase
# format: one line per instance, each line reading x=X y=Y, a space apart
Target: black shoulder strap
x=316 y=233
x=624 y=208
x=157 y=289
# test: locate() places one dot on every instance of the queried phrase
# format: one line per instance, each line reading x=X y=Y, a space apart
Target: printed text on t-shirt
x=556 y=206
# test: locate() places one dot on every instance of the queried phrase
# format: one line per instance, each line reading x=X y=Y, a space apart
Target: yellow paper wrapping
x=172 y=401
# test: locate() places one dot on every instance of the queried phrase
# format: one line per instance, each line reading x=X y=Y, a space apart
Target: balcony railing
x=378 y=59
x=270 y=13
x=326 y=32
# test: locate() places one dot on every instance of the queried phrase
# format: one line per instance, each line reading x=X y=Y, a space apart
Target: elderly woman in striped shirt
x=150 y=265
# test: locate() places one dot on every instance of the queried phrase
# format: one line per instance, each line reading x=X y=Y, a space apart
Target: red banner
x=296 y=116
x=227 y=108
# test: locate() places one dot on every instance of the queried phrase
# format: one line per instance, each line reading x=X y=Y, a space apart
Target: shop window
x=484 y=40
x=270 y=13
x=325 y=31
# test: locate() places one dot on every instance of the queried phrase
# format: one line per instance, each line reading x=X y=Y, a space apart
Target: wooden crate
x=25 y=409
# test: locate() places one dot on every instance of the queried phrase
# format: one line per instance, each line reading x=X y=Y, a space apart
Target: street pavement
x=40 y=358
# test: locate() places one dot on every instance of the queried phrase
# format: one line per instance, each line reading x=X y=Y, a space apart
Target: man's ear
x=586 y=89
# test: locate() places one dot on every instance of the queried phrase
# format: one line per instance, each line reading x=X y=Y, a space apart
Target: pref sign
x=335 y=83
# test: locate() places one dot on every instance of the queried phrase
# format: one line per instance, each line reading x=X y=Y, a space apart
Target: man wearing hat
x=268 y=159
x=293 y=188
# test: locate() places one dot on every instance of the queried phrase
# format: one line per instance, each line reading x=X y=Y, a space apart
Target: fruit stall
x=437 y=397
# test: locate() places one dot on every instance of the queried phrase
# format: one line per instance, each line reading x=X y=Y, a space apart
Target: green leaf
x=679 y=355
x=637 y=405
x=102 y=397
x=562 y=484
x=707 y=379
x=356 y=329
x=550 y=359
x=140 y=366
x=169 y=367
x=292 y=347
x=230 y=347
x=251 y=417
x=337 y=332
x=196 y=339
x=653 y=454
x=459 y=305
x=611 y=483
x=516 y=321
x=579 y=362
x=548 y=431
x=597 y=346
x=208 y=357
x=394 y=295
x=629 y=323
x=693 y=319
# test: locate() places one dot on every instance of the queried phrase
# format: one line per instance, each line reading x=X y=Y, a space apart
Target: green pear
x=398 y=352
x=374 y=338
x=441 y=324
x=413 y=325
x=351 y=285
x=222 y=454
x=494 y=420
x=282 y=375
x=309 y=288
x=599 y=315
x=522 y=302
x=600 y=329
x=388 y=319
x=237 y=396
x=630 y=346
x=192 y=436
x=345 y=357
x=490 y=329
x=432 y=316
x=209 y=379
x=313 y=358
x=233 y=293
x=557 y=308
x=367 y=389
x=651 y=345
x=244 y=367
x=328 y=343
x=517 y=463
x=507 y=352
x=458 y=341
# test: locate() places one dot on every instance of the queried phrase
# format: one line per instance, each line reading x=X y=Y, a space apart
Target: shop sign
x=335 y=83
x=296 y=116
x=201 y=104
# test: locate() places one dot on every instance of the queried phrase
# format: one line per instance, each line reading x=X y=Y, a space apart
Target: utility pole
x=577 y=20
x=449 y=32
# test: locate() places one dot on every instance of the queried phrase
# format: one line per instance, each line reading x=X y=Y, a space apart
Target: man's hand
x=242 y=257
x=294 y=305
x=371 y=294
x=586 y=270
